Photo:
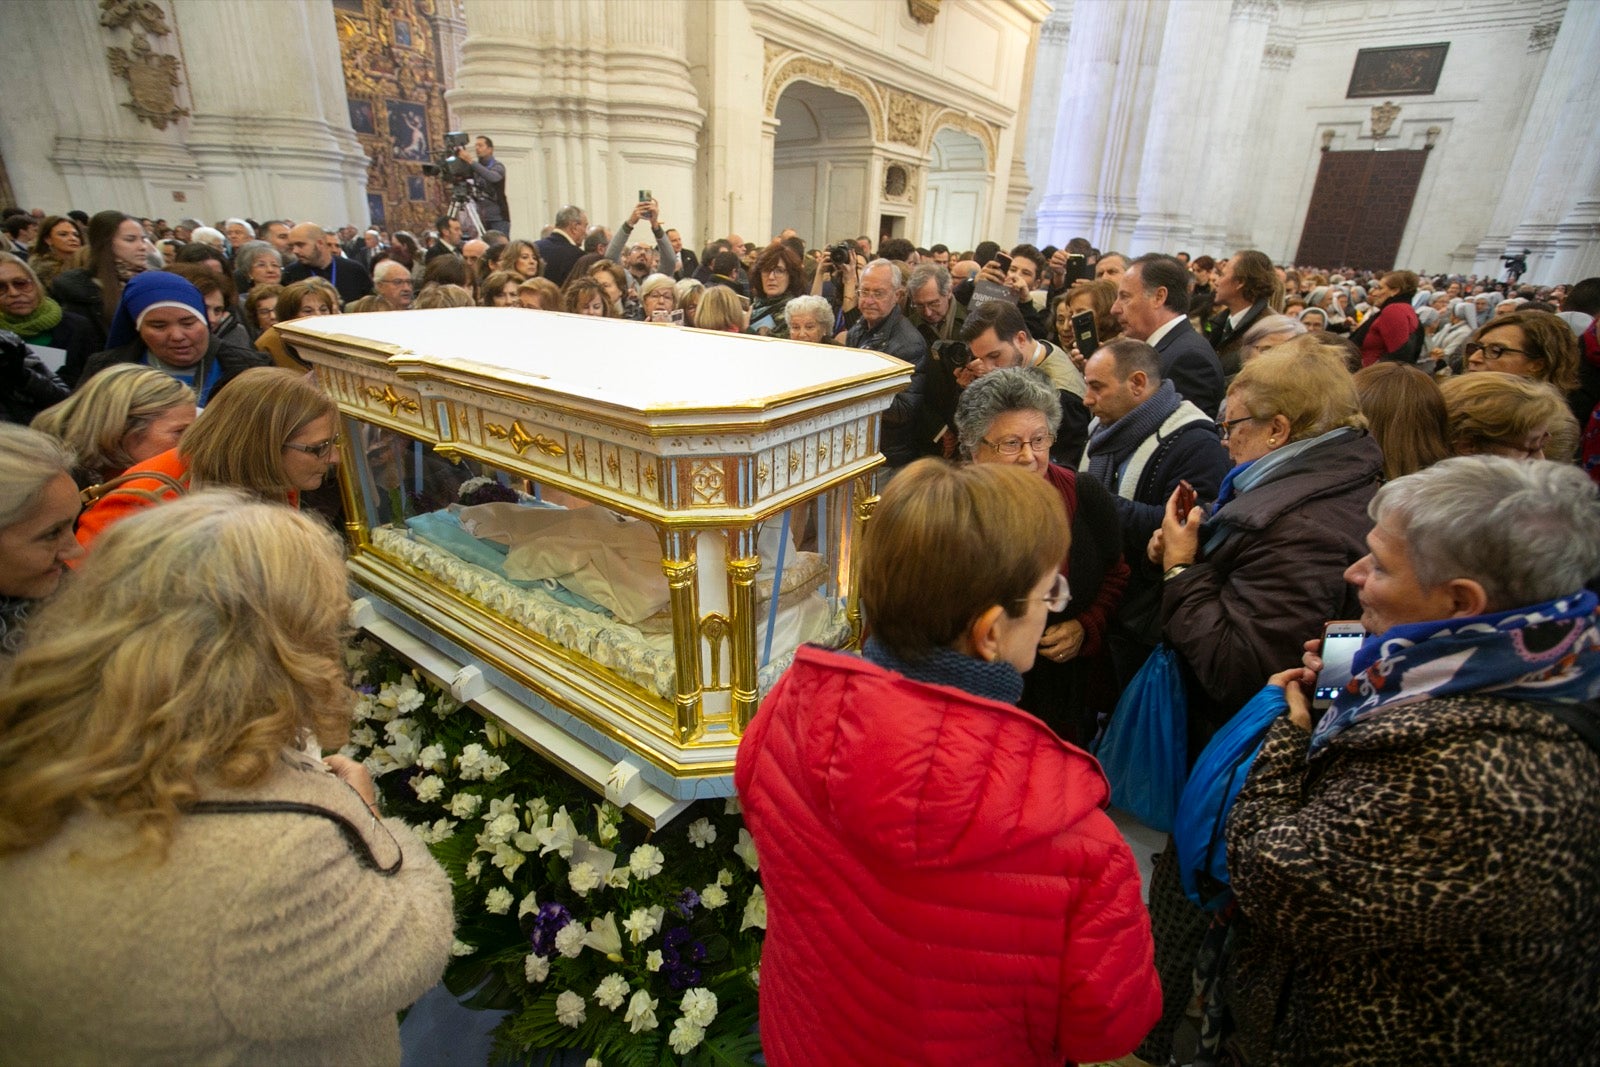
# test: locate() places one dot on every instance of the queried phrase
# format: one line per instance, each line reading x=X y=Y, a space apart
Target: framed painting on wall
x=1406 y=70
x=375 y=208
x=361 y=119
x=416 y=188
x=408 y=128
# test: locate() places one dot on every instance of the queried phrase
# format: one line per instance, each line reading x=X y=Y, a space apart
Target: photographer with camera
x=637 y=264
x=1516 y=265
x=834 y=273
x=489 y=192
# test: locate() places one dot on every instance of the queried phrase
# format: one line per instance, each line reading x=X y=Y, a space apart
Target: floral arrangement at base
x=595 y=934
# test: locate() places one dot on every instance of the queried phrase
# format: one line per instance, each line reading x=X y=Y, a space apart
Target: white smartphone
x=1340 y=641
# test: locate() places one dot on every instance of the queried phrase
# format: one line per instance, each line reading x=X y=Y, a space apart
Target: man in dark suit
x=1244 y=285
x=1152 y=305
x=449 y=243
x=564 y=247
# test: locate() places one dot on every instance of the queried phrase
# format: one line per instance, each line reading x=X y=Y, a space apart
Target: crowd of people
x=1098 y=455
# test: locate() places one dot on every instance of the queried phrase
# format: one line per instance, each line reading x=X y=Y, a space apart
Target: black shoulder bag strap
x=1583 y=718
x=352 y=833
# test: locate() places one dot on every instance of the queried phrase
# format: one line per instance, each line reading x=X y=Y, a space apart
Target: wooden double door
x=1359 y=207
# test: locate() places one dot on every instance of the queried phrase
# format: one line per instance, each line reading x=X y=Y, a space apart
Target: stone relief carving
x=153 y=78
x=906 y=114
x=924 y=11
x=987 y=135
x=1383 y=116
x=1278 y=55
x=1542 y=36
x=804 y=68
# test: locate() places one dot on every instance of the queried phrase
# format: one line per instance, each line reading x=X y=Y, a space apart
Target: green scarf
x=47 y=316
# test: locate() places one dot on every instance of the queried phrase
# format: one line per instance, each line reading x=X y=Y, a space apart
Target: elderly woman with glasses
x=1011 y=416
x=1419 y=869
x=1245 y=586
x=186 y=879
x=271 y=433
x=923 y=840
x=39 y=320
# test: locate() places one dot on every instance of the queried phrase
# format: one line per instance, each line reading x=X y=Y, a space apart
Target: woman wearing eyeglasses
x=1529 y=344
x=1245 y=586
x=271 y=433
x=942 y=884
x=1011 y=416
x=186 y=880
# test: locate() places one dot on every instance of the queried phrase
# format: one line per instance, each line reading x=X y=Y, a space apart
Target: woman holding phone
x=1419 y=873
x=1245 y=586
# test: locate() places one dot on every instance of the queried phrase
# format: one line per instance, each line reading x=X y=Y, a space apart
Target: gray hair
x=686 y=286
x=207 y=236
x=815 y=306
x=658 y=281
x=1000 y=391
x=389 y=266
x=1527 y=531
x=569 y=215
x=29 y=461
x=1270 y=326
x=894 y=271
x=924 y=273
x=239 y=222
x=251 y=251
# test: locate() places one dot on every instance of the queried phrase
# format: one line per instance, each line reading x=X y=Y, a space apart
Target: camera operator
x=638 y=267
x=1516 y=265
x=489 y=184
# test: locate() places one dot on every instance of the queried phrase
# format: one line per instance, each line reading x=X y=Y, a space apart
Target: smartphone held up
x=1340 y=643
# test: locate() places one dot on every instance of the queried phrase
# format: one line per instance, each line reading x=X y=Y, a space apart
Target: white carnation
x=702 y=833
x=498 y=900
x=501 y=806
x=475 y=867
x=643 y=923
x=494 y=767
x=433 y=758
x=713 y=896
x=569 y=940
x=570 y=1009
x=470 y=762
x=535 y=968
x=441 y=829
x=611 y=992
x=646 y=862
x=429 y=788
x=724 y=877
x=699 y=1006
x=685 y=1036
x=582 y=878
x=464 y=805
x=641 y=1014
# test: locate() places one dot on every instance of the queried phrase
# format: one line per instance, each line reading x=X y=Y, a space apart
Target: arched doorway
x=821 y=160
x=958 y=190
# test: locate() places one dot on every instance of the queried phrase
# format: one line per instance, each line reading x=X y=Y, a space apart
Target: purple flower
x=688 y=900
x=681 y=978
x=547 y=922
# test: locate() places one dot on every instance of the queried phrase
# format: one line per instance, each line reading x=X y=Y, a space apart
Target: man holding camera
x=639 y=263
x=489 y=189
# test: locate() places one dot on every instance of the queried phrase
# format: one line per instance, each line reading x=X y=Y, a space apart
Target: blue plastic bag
x=1213 y=784
x=1145 y=748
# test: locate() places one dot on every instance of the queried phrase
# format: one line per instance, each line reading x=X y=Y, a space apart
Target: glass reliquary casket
x=609 y=536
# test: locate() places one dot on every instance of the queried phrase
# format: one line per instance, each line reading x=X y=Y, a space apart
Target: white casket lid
x=634 y=366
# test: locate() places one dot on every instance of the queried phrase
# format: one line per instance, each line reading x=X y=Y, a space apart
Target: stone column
x=1050 y=57
x=1561 y=214
x=1229 y=145
x=1178 y=131
x=587 y=103
x=272 y=138
x=1070 y=205
x=1019 y=191
x=1142 y=32
x=449 y=35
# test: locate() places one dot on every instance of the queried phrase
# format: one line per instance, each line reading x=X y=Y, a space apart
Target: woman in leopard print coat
x=1419 y=878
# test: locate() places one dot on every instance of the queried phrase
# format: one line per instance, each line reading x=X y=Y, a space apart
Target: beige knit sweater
x=259 y=940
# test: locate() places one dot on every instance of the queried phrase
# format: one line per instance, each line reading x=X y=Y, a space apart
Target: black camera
x=841 y=253
x=954 y=354
x=452 y=169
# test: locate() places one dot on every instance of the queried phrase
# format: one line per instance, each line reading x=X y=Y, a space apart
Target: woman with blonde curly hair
x=271 y=433
x=1499 y=414
x=185 y=879
x=124 y=415
x=584 y=296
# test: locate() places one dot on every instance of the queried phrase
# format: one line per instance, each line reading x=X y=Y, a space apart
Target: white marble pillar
x=1019 y=191
x=449 y=34
x=1129 y=107
x=1049 y=62
x=272 y=139
x=1544 y=98
x=1089 y=86
x=1561 y=214
x=1177 y=131
x=587 y=103
x=1225 y=173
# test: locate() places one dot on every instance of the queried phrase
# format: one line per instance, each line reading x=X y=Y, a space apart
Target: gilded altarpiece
x=395 y=79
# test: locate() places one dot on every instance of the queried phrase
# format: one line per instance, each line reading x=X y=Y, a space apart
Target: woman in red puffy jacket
x=943 y=884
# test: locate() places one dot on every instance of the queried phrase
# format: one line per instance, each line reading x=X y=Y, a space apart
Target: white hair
x=209 y=236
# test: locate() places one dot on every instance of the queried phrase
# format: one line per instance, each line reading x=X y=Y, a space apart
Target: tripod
x=462 y=202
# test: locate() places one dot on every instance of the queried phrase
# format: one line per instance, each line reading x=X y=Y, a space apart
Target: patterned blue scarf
x=1549 y=652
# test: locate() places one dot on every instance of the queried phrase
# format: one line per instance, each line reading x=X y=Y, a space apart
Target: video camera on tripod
x=454 y=171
